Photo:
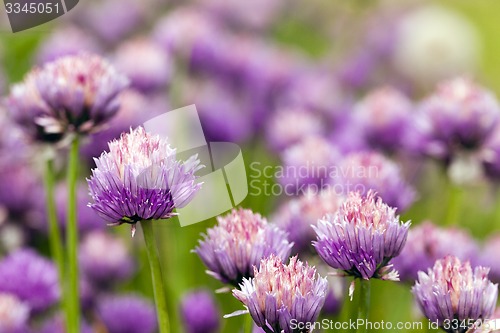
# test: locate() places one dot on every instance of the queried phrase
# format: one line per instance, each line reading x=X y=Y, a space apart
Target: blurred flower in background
x=200 y=313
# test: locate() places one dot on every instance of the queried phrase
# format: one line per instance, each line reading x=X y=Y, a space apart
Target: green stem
x=455 y=200
x=248 y=328
x=154 y=265
x=55 y=239
x=364 y=303
x=73 y=297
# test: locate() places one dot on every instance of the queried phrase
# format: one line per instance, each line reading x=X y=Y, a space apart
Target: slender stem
x=455 y=200
x=73 y=297
x=55 y=239
x=364 y=303
x=154 y=265
x=248 y=328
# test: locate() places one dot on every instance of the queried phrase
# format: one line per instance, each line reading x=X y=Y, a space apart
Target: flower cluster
x=280 y=293
x=452 y=290
x=362 y=237
x=140 y=179
x=241 y=239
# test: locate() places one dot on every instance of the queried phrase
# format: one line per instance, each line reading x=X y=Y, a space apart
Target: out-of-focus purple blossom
x=297 y=215
x=135 y=108
x=290 y=125
x=226 y=115
x=32 y=278
x=280 y=294
x=105 y=259
x=87 y=218
x=112 y=20
x=14 y=314
x=141 y=169
x=66 y=41
x=318 y=91
x=55 y=324
x=200 y=313
x=362 y=237
x=127 y=314
x=145 y=63
x=459 y=117
x=453 y=291
x=72 y=94
x=308 y=162
x=384 y=115
x=346 y=134
x=427 y=243
x=193 y=36
x=241 y=239
x=336 y=291
x=257 y=15
x=489 y=257
x=366 y=171
x=356 y=69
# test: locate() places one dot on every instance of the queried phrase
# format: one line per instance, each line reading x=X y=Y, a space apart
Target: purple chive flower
x=453 y=291
x=32 y=278
x=105 y=258
x=489 y=257
x=200 y=313
x=280 y=294
x=258 y=15
x=308 y=163
x=146 y=64
x=190 y=34
x=315 y=90
x=239 y=241
x=366 y=171
x=290 y=125
x=127 y=314
x=490 y=155
x=427 y=243
x=297 y=215
x=140 y=179
x=14 y=314
x=384 y=116
x=55 y=324
x=459 y=116
x=72 y=94
x=66 y=41
x=132 y=113
x=87 y=218
x=362 y=237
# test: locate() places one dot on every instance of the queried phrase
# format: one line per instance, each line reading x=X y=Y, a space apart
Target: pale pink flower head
x=454 y=291
x=141 y=179
x=279 y=294
x=241 y=239
x=14 y=314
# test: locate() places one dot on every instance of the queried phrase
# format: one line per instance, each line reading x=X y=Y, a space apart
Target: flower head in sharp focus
x=31 y=278
x=200 y=313
x=454 y=291
x=364 y=171
x=427 y=243
x=140 y=179
x=362 y=237
x=14 y=314
x=459 y=117
x=231 y=249
x=73 y=94
x=279 y=294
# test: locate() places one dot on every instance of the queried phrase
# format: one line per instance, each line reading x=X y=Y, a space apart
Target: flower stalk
x=73 y=297
x=156 y=277
x=364 y=303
